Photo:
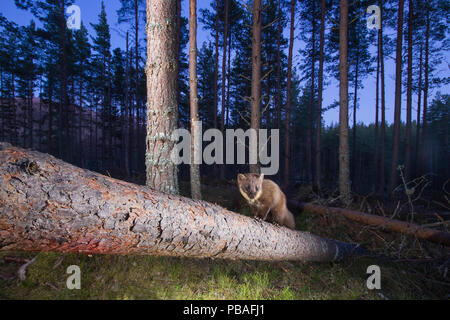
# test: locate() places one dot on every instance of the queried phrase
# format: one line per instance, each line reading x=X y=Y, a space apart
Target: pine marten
x=266 y=199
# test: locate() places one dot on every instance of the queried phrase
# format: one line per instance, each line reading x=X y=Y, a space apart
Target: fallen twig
x=22 y=269
x=15 y=259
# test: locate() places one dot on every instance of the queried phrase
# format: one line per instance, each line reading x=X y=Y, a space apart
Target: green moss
x=139 y=277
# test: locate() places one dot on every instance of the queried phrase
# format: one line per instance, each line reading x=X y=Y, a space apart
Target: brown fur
x=266 y=199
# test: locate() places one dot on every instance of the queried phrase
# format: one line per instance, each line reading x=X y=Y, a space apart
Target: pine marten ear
x=261 y=176
x=240 y=177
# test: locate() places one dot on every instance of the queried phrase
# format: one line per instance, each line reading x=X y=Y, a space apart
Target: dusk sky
x=366 y=113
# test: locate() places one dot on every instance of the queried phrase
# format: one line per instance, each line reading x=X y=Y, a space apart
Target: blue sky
x=366 y=112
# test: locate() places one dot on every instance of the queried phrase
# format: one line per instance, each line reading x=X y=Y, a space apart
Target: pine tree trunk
x=30 y=115
x=266 y=107
x=398 y=99
x=383 y=105
x=62 y=117
x=90 y=135
x=2 y=136
x=49 y=205
x=13 y=119
x=309 y=135
x=3 y=112
x=377 y=102
x=110 y=117
x=24 y=114
x=80 y=121
x=344 y=165
x=193 y=94
x=131 y=120
x=126 y=117
x=317 y=157
x=162 y=106
x=104 y=113
x=224 y=76
x=216 y=74
x=227 y=109
x=355 y=102
x=419 y=99
x=409 y=95
x=256 y=77
x=216 y=65
x=423 y=162
x=278 y=98
x=96 y=136
x=287 y=124
x=50 y=119
x=40 y=116
x=136 y=79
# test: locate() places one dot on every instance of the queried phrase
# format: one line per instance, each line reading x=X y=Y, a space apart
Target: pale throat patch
x=255 y=199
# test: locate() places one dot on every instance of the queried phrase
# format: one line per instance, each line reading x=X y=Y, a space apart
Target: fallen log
x=49 y=205
x=388 y=224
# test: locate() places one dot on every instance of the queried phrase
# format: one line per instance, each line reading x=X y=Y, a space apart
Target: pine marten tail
x=289 y=220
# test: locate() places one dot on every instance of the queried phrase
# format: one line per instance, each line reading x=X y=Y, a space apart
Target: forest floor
x=410 y=269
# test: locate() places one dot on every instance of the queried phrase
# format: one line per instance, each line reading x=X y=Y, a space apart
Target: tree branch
x=389 y=224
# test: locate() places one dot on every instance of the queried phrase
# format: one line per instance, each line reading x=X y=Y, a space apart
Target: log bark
x=388 y=224
x=49 y=205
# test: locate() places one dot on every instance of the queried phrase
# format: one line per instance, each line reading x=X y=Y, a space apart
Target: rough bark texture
x=278 y=97
x=383 y=104
x=193 y=96
x=287 y=124
x=62 y=119
x=355 y=102
x=224 y=75
x=256 y=73
x=423 y=150
x=377 y=97
x=49 y=205
x=419 y=93
x=319 y=97
x=344 y=165
x=398 y=98
x=136 y=80
x=309 y=133
x=162 y=107
x=409 y=96
x=388 y=224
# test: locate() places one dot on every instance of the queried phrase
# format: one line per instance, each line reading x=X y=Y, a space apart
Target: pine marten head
x=250 y=185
